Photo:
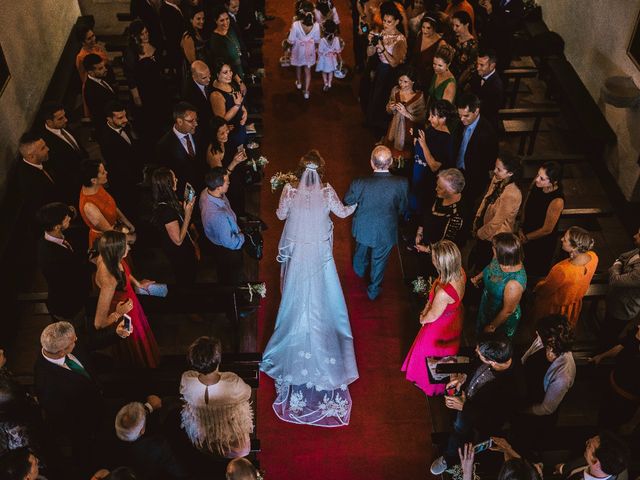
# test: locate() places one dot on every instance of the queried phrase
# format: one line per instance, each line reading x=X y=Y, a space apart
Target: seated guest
x=539 y=219
x=504 y=280
x=433 y=151
x=180 y=149
x=487 y=85
x=498 y=209
x=121 y=153
x=623 y=299
x=407 y=109
x=620 y=402
x=65 y=151
x=549 y=370
x=445 y=220
x=441 y=318
x=221 y=227
x=216 y=414
x=486 y=398
x=475 y=146
x=118 y=297
x=20 y=464
x=65 y=269
x=563 y=289
x=466 y=54
x=97 y=208
x=241 y=469
x=66 y=384
x=173 y=219
x=97 y=92
x=606 y=456
x=148 y=453
x=196 y=92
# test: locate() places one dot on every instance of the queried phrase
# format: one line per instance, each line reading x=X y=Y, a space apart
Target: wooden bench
x=526 y=124
x=513 y=88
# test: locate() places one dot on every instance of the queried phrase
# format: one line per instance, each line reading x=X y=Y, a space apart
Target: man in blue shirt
x=221 y=227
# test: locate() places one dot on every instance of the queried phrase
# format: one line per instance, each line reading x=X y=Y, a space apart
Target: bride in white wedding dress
x=310 y=354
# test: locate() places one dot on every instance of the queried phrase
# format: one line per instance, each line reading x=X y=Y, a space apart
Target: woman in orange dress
x=568 y=281
x=97 y=208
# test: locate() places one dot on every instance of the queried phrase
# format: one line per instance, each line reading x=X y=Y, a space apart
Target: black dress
x=538 y=253
x=182 y=257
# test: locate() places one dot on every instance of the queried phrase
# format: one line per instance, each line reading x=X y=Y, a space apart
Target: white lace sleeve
x=288 y=192
x=335 y=205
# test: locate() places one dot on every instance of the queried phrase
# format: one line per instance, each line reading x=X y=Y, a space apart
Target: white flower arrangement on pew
x=280 y=179
x=258 y=288
x=259 y=162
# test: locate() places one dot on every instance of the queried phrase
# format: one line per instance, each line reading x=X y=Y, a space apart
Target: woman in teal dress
x=504 y=282
x=443 y=83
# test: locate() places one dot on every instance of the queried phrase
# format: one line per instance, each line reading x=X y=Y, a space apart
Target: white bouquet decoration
x=259 y=288
x=280 y=179
x=260 y=162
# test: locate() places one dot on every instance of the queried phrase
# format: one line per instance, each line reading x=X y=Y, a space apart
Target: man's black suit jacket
x=35 y=188
x=491 y=95
x=192 y=94
x=479 y=158
x=170 y=153
x=65 y=162
x=173 y=26
x=96 y=97
x=68 y=278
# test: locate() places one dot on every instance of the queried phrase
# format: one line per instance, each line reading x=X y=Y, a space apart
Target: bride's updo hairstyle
x=311 y=158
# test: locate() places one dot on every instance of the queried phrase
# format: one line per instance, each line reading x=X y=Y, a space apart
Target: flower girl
x=303 y=37
x=328 y=53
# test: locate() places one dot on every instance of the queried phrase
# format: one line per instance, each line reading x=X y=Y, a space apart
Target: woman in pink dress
x=441 y=318
x=117 y=295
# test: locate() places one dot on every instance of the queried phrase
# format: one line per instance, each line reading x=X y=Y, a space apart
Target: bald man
x=381 y=199
x=196 y=92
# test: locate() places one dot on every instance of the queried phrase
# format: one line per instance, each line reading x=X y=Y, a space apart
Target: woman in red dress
x=117 y=295
x=441 y=318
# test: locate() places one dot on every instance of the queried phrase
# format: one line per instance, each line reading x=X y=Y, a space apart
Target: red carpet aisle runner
x=388 y=434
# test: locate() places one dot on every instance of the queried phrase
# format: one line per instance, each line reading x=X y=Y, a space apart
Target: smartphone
x=189 y=192
x=482 y=446
x=127 y=322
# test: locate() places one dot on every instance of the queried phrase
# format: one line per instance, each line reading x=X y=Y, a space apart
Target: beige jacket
x=501 y=215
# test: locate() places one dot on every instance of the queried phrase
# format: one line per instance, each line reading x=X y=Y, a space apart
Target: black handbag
x=253 y=243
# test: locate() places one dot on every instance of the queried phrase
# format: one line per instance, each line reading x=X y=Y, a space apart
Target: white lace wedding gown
x=310 y=354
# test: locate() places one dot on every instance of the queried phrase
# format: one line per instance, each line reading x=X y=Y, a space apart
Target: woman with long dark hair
x=426 y=45
x=117 y=297
x=464 y=60
x=173 y=220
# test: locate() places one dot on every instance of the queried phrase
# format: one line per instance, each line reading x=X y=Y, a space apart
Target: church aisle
x=388 y=437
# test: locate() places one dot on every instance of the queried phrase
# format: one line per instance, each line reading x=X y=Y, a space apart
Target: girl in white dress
x=328 y=53
x=326 y=11
x=303 y=37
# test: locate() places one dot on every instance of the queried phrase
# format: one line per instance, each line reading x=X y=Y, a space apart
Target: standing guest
x=427 y=44
x=97 y=91
x=304 y=36
x=381 y=198
x=216 y=414
x=20 y=464
x=466 y=55
x=180 y=149
x=221 y=227
x=149 y=12
x=504 y=280
x=623 y=300
x=487 y=86
x=441 y=318
x=454 y=6
x=98 y=209
x=498 y=209
x=65 y=269
x=196 y=91
x=539 y=220
x=390 y=46
x=227 y=101
x=501 y=20
x=173 y=26
x=121 y=153
x=549 y=371
x=433 y=152
x=65 y=151
x=407 y=109
x=90 y=45
x=562 y=290
x=67 y=386
x=117 y=294
x=217 y=152
x=475 y=146
x=605 y=456
x=194 y=41
x=224 y=45
x=173 y=218
x=443 y=83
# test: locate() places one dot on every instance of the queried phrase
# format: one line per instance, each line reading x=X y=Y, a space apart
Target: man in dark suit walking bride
x=381 y=199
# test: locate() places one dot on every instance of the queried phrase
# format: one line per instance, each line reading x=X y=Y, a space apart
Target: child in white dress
x=328 y=53
x=326 y=11
x=304 y=36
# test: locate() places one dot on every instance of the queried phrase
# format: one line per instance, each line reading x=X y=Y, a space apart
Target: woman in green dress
x=504 y=282
x=443 y=83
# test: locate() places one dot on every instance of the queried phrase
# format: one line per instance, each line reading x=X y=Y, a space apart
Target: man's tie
x=190 y=149
x=106 y=85
x=482 y=82
x=76 y=367
x=67 y=245
x=48 y=175
x=124 y=135
x=69 y=139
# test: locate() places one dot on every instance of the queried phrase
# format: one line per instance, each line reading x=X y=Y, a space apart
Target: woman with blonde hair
x=441 y=318
x=562 y=290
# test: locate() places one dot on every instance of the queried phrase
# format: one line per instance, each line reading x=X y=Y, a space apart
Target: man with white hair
x=66 y=384
x=381 y=199
x=147 y=453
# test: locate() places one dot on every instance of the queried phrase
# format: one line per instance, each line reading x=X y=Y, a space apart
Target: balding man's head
x=381 y=158
x=200 y=73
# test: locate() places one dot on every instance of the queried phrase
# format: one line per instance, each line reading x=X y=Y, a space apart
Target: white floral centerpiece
x=280 y=179
x=259 y=288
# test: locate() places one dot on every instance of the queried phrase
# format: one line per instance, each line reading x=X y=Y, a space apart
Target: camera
x=375 y=39
x=364 y=28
